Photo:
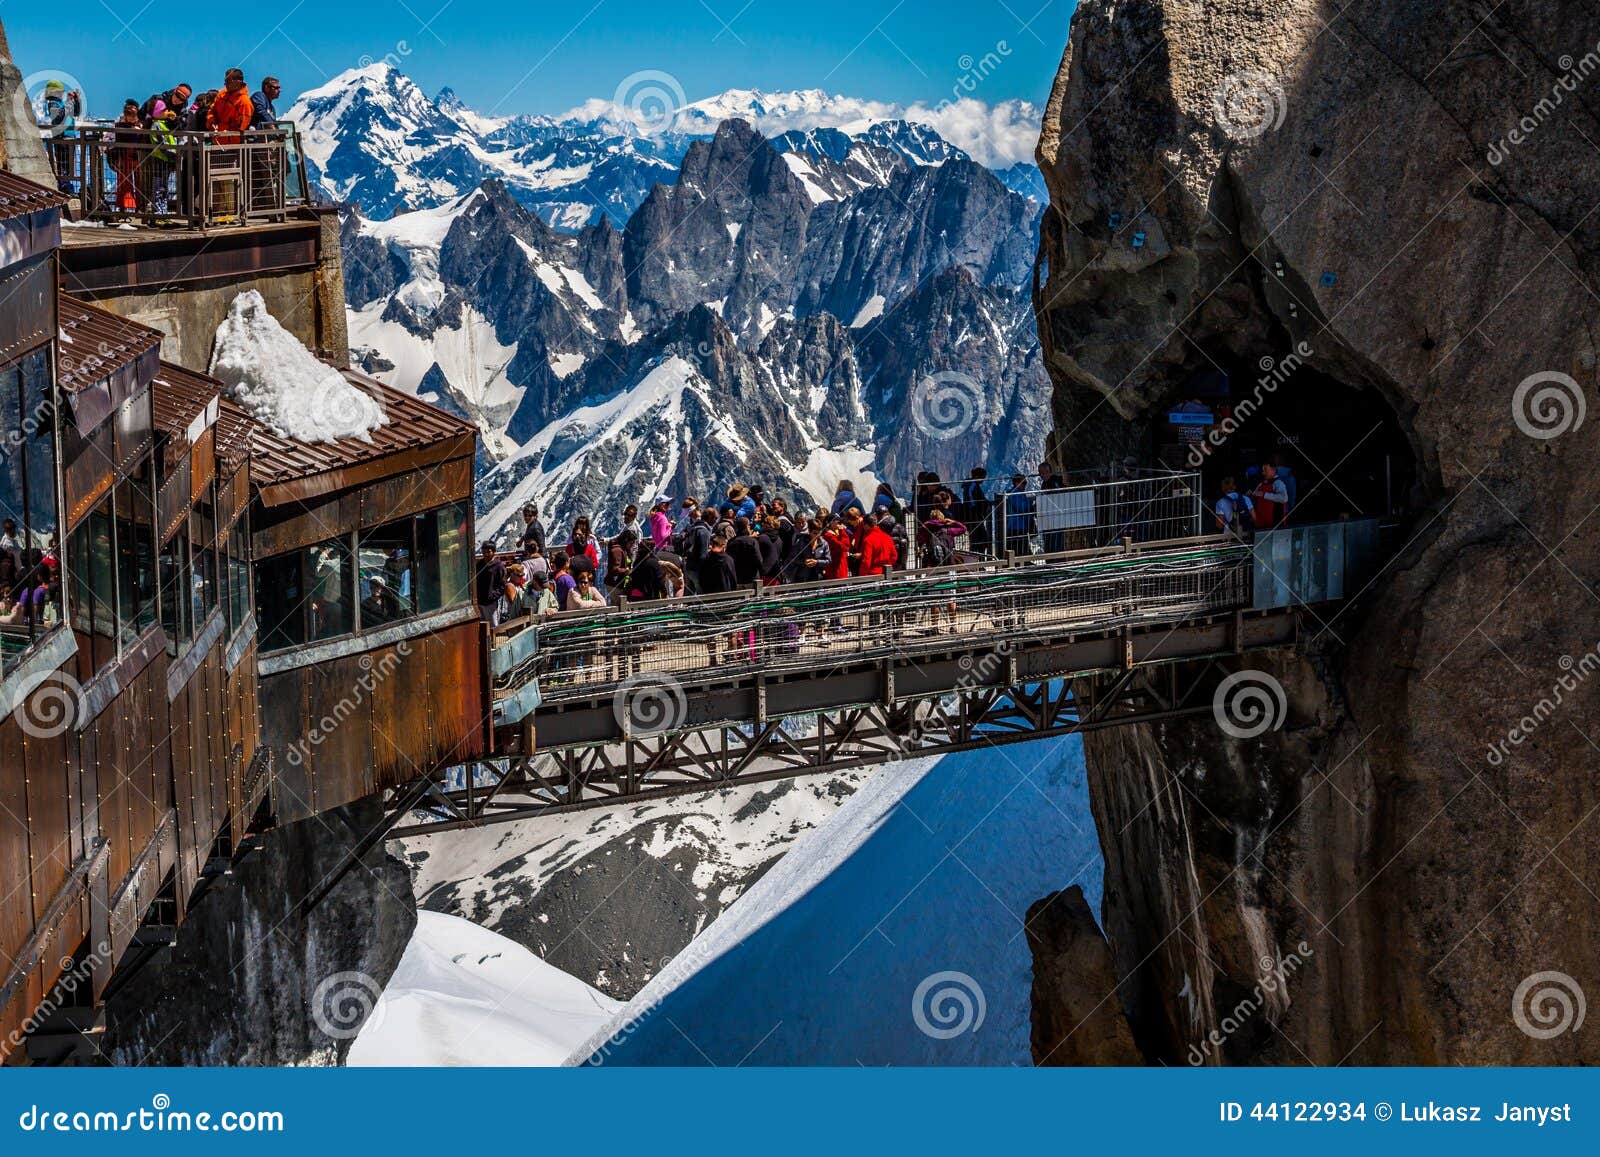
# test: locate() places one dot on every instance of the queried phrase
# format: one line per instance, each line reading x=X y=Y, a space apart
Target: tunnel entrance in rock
x=1343 y=449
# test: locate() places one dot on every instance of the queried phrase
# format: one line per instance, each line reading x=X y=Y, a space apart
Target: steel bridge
x=663 y=698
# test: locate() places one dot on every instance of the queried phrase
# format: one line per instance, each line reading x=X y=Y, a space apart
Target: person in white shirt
x=11 y=541
x=585 y=596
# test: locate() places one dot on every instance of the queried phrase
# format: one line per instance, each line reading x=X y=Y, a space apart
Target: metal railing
x=1090 y=508
x=133 y=175
x=806 y=625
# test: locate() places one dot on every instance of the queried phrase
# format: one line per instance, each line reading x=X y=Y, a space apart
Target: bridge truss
x=759 y=729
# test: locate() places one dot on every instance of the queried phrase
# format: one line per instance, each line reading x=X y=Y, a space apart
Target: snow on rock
x=807 y=176
x=920 y=881
x=265 y=368
x=871 y=311
x=463 y=995
x=608 y=894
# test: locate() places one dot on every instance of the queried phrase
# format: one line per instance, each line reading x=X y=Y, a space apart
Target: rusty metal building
x=205 y=627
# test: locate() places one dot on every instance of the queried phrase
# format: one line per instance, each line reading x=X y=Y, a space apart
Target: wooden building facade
x=204 y=627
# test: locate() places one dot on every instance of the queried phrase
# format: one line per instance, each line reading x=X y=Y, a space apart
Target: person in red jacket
x=838 y=539
x=873 y=548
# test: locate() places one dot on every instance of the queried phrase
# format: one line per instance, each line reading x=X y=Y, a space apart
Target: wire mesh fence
x=1078 y=511
x=809 y=624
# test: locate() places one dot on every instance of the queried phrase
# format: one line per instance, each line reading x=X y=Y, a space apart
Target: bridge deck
x=644 y=701
x=815 y=627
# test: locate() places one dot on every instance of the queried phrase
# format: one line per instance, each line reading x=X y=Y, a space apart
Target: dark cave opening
x=1344 y=447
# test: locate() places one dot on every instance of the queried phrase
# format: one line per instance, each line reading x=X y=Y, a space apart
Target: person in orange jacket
x=232 y=111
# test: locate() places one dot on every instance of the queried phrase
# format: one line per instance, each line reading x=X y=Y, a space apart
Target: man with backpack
x=696 y=546
x=976 y=511
x=1235 y=512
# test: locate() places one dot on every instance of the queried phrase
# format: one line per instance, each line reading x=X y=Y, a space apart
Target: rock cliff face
x=250 y=981
x=1408 y=188
x=21 y=150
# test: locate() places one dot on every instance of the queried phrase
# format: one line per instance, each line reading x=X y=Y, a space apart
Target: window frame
x=458 y=513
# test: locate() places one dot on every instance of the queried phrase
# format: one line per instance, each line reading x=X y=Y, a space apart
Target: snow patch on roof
x=265 y=368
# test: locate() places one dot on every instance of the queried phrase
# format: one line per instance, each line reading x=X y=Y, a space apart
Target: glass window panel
x=280 y=601
x=330 y=590
x=177 y=613
x=387 y=556
x=14 y=632
x=202 y=536
x=89 y=461
x=39 y=416
x=136 y=554
x=238 y=573
x=92 y=564
x=444 y=559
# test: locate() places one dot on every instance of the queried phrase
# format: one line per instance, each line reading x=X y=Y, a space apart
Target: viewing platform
x=599 y=707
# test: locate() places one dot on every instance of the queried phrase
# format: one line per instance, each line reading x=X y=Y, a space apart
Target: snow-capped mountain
x=768 y=315
x=371 y=137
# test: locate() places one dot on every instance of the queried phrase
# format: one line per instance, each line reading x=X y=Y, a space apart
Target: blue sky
x=511 y=57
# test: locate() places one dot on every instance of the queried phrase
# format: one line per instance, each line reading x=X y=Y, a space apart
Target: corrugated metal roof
x=20 y=196
x=234 y=431
x=94 y=344
x=413 y=425
x=179 y=396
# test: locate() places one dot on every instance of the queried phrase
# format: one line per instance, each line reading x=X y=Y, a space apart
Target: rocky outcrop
x=1392 y=874
x=1079 y=1019
x=21 y=150
x=250 y=980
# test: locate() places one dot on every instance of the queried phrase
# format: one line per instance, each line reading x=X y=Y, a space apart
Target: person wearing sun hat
x=739 y=498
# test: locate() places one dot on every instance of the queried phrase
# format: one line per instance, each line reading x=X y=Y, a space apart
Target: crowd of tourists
x=146 y=135
x=682 y=547
x=749 y=537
